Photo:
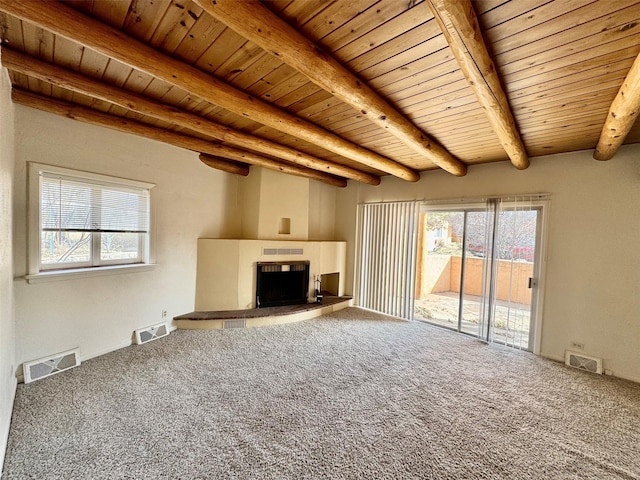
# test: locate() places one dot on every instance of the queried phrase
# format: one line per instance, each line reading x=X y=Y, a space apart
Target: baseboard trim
x=615 y=375
x=4 y=441
x=104 y=351
x=552 y=357
x=112 y=348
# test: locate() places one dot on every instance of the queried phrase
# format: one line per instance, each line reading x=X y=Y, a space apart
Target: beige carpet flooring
x=353 y=395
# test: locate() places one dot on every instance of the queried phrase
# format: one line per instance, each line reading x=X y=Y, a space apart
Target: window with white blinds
x=89 y=220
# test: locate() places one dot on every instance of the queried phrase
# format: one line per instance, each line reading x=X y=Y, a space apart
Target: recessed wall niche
x=285 y=226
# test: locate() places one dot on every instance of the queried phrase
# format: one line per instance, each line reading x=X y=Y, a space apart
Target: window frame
x=41 y=272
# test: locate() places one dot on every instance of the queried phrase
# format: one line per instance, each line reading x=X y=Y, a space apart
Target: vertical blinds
x=386 y=260
x=519 y=229
x=489 y=270
x=82 y=205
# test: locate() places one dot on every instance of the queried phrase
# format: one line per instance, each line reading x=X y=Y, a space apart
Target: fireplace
x=282 y=283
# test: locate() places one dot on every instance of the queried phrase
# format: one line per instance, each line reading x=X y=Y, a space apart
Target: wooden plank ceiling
x=173 y=70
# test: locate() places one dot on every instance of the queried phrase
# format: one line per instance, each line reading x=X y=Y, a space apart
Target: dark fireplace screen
x=282 y=283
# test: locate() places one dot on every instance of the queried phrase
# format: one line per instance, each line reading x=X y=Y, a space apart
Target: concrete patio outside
x=511 y=322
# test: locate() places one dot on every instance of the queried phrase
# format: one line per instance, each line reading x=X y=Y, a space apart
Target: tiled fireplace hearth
x=259 y=317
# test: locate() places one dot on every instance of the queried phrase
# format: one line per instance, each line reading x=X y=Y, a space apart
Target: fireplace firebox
x=282 y=283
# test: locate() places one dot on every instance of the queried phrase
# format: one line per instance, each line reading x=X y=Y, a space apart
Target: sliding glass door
x=440 y=244
x=516 y=276
x=476 y=270
x=478 y=226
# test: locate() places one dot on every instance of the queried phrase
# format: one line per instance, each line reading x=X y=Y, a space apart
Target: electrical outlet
x=577 y=345
x=164 y=313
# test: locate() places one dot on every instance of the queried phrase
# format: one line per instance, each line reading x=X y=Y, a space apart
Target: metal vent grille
x=144 y=335
x=45 y=367
x=583 y=362
x=241 y=323
x=282 y=251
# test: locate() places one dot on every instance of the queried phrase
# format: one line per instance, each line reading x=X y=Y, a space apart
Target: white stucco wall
x=322 y=210
x=267 y=197
x=99 y=314
x=283 y=196
x=593 y=258
x=249 y=189
x=7 y=324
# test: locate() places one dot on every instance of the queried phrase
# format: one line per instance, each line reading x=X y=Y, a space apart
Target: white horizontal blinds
x=70 y=204
x=387 y=245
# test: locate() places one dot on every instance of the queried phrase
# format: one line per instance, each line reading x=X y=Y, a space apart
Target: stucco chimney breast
x=274 y=204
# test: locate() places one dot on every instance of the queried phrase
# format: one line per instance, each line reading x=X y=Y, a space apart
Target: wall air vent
x=282 y=251
x=240 y=323
x=583 y=362
x=47 y=366
x=144 y=335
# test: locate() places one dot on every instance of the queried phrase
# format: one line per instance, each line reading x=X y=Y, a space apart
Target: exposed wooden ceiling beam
x=76 y=82
x=223 y=164
x=622 y=115
x=254 y=21
x=127 y=125
x=459 y=24
x=62 y=20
